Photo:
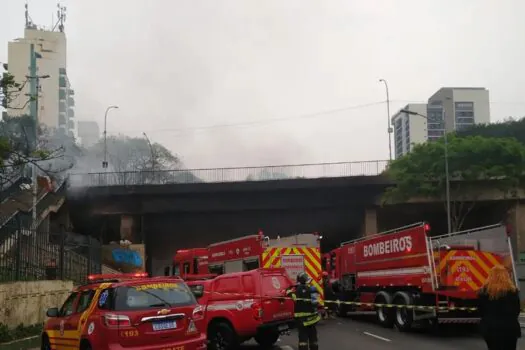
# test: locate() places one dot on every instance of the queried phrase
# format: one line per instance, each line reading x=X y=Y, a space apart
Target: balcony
x=62 y=71
x=62 y=94
x=71 y=124
x=62 y=106
x=62 y=119
x=70 y=113
x=71 y=102
x=62 y=82
x=71 y=92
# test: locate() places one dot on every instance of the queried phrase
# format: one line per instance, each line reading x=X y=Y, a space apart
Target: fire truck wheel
x=404 y=316
x=267 y=339
x=221 y=336
x=385 y=316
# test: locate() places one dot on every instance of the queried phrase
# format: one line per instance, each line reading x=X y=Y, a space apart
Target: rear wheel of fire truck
x=267 y=339
x=385 y=316
x=404 y=316
x=221 y=336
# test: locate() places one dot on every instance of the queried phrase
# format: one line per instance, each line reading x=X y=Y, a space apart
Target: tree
x=128 y=155
x=421 y=173
x=18 y=149
x=510 y=127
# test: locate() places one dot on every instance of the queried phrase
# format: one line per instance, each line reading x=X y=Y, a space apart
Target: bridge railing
x=222 y=175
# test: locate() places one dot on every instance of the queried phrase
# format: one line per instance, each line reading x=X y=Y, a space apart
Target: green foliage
x=514 y=128
x=20 y=332
x=8 y=88
x=421 y=173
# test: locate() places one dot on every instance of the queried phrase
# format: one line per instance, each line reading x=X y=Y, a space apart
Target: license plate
x=164 y=325
x=282 y=327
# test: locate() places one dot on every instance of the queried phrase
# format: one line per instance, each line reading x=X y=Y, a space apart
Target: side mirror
x=198 y=293
x=53 y=312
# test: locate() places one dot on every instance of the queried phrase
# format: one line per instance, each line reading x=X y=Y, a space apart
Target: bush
x=21 y=331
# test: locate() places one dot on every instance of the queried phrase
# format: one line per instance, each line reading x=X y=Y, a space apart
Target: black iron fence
x=27 y=255
x=221 y=175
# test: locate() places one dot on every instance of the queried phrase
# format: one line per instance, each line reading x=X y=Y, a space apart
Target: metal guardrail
x=222 y=175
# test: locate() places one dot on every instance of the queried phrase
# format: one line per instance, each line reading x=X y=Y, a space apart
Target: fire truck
x=296 y=253
x=408 y=267
x=190 y=262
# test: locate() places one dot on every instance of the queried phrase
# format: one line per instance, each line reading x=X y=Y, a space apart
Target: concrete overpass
x=167 y=210
x=183 y=208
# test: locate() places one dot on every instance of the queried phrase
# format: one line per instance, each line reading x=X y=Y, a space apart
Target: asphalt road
x=360 y=334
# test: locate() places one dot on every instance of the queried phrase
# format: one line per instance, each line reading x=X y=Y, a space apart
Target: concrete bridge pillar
x=369 y=226
x=129 y=229
x=516 y=219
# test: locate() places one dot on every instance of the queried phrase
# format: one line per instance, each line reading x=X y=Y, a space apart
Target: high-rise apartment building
x=409 y=129
x=88 y=133
x=448 y=109
x=42 y=53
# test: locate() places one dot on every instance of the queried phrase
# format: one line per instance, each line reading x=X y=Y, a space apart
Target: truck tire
x=221 y=336
x=385 y=316
x=341 y=309
x=404 y=317
x=267 y=339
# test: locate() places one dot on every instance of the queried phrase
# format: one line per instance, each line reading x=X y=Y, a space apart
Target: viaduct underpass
x=194 y=208
x=173 y=216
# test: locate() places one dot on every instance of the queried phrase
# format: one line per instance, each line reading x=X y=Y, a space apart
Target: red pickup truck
x=244 y=305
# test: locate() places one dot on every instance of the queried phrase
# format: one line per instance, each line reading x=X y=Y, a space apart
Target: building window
x=398 y=137
x=464 y=115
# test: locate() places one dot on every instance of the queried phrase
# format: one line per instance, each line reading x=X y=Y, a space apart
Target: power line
x=296 y=117
x=266 y=121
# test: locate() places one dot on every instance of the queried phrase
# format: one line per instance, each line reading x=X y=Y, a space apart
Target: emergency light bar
x=120 y=276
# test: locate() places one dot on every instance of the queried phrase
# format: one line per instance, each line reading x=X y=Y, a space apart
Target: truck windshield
x=152 y=296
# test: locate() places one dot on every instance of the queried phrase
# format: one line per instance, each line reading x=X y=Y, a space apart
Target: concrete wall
x=27 y=302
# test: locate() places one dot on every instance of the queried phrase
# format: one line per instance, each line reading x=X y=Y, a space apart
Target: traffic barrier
x=377 y=305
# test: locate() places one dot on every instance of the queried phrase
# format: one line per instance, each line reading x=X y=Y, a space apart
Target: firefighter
x=306 y=299
x=328 y=296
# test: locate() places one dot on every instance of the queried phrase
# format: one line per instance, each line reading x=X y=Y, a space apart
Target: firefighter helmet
x=302 y=278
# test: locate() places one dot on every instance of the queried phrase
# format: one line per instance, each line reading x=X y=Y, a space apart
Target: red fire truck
x=190 y=262
x=407 y=266
x=295 y=253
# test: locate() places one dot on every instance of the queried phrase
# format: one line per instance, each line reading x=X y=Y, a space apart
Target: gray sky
x=179 y=64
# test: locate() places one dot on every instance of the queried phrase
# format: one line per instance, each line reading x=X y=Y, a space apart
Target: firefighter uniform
x=305 y=298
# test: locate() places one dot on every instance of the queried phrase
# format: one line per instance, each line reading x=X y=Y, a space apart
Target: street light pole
x=105 y=162
x=447 y=176
x=152 y=152
x=388 y=119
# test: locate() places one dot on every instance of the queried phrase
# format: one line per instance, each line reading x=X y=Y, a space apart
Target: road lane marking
x=377 y=336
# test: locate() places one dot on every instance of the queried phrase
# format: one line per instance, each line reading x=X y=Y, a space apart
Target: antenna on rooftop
x=61 y=18
x=29 y=21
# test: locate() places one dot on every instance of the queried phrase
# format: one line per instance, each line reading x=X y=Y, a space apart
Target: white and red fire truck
x=295 y=253
x=406 y=266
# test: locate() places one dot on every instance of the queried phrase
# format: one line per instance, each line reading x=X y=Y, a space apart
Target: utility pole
x=389 y=129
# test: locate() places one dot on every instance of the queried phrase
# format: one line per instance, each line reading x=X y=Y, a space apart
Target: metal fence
x=27 y=255
x=221 y=175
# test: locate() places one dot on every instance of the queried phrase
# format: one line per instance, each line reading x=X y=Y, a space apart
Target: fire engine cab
x=407 y=266
x=190 y=262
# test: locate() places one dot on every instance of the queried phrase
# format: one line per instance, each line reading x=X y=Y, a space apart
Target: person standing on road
x=499 y=308
x=328 y=296
x=306 y=300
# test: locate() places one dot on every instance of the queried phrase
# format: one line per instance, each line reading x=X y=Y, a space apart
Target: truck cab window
x=186 y=267
x=195 y=265
x=216 y=269
x=251 y=265
x=176 y=270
